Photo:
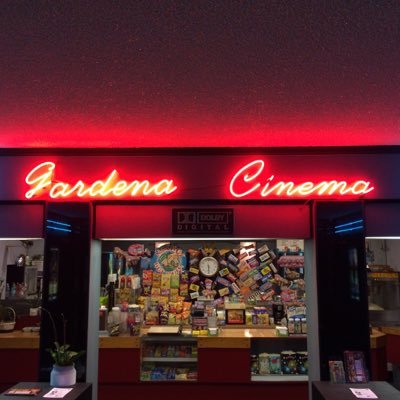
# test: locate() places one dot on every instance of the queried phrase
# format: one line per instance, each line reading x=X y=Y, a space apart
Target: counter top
x=19 y=340
x=377 y=339
x=391 y=330
x=227 y=338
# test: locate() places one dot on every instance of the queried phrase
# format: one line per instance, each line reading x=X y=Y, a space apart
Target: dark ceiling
x=199 y=73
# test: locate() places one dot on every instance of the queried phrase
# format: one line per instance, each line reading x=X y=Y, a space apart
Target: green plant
x=61 y=353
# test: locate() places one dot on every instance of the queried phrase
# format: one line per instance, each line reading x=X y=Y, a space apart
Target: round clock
x=208 y=266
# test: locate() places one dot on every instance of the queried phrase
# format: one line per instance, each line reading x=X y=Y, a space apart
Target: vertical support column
x=312 y=313
x=341 y=281
x=66 y=282
x=93 y=318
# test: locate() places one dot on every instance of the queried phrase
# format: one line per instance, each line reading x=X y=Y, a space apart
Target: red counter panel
x=119 y=365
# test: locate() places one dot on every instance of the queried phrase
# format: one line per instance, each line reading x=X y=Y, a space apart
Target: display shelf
x=170 y=359
x=169 y=380
x=296 y=336
x=168 y=338
x=279 y=378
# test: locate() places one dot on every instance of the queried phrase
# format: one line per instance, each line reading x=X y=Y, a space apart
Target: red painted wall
x=286 y=221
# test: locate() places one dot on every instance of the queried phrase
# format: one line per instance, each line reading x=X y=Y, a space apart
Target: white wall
x=386 y=252
x=9 y=251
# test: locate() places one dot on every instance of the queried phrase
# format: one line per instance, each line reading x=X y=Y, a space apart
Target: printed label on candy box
x=183 y=289
x=288 y=362
x=233 y=259
x=243 y=268
x=263 y=249
x=257 y=276
x=235 y=288
x=264 y=257
x=194 y=295
x=253 y=262
x=233 y=268
x=265 y=263
x=266 y=271
x=254 y=286
x=194 y=287
x=194 y=279
x=224 y=271
x=194 y=270
x=244 y=276
x=275 y=363
x=223 y=281
x=165 y=281
x=248 y=282
x=273 y=268
x=266 y=278
x=265 y=286
x=223 y=292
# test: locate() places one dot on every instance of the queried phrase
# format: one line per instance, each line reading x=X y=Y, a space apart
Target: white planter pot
x=62 y=376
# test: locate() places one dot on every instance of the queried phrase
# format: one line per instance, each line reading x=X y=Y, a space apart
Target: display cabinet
x=168 y=358
x=279 y=359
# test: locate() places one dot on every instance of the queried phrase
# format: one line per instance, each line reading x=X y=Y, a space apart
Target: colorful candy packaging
x=302 y=362
x=288 y=362
x=275 y=363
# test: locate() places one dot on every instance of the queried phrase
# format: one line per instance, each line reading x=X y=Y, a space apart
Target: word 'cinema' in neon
x=41 y=179
x=248 y=181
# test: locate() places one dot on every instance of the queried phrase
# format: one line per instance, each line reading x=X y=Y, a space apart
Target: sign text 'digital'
x=252 y=180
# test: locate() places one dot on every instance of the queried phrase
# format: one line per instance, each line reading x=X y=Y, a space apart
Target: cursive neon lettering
x=248 y=181
x=246 y=176
x=39 y=177
x=41 y=180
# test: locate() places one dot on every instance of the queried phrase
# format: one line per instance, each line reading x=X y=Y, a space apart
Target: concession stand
x=255 y=256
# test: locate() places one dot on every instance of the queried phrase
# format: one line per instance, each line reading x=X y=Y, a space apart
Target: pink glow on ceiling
x=199 y=74
x=82 y=132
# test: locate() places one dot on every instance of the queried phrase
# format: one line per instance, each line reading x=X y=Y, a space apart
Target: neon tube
x=248 y=181
x=41 y=179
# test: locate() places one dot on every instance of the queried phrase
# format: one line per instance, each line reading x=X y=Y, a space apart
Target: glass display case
x=168 y=358
x=383 y=258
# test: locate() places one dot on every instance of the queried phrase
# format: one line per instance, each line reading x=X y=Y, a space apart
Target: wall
x=9 y=251
x=385 y=252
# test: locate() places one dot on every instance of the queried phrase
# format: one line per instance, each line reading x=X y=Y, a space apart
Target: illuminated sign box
x=226 y=178
x=208 y=221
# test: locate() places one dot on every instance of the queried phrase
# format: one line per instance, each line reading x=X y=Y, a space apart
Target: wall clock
x=208 y=266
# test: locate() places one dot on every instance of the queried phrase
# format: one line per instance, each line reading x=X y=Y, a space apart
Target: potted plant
x=63 y=372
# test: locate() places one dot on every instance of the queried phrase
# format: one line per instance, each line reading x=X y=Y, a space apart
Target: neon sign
x=249 y=181
x=41 y=179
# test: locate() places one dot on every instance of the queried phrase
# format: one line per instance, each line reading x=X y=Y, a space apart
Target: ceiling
x=128 y=74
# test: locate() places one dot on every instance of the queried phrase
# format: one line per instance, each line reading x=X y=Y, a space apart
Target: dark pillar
x=341 y=281
x=66 y=281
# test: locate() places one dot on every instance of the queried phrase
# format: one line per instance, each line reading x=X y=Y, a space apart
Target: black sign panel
x=216 y=221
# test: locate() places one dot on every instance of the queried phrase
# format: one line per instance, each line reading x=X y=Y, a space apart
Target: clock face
x=208 y=266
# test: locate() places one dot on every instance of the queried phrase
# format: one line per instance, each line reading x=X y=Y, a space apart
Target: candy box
x=302 y=362
x=288 y=362
x=275 y=363
x=264 y=364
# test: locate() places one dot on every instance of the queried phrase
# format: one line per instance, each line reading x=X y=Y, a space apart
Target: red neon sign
x=40 y=179
x=250 y=181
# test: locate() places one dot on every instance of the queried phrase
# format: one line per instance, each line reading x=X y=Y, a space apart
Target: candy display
x=288 y=362
x=167 y=281
x=175 y=360
x=166 y=373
